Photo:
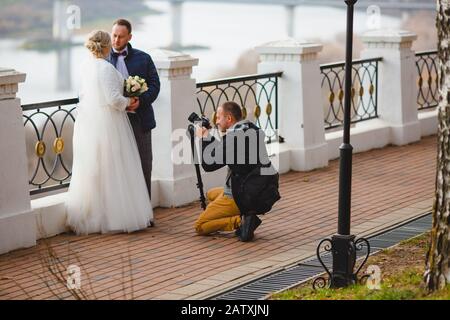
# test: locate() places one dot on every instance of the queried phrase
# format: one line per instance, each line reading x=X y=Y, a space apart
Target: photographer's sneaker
x=248 y=226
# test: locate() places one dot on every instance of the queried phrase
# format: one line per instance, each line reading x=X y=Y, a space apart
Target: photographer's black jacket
x=230 y=151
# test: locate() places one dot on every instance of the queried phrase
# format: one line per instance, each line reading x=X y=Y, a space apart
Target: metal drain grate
x=310 y=268
x=275 y=282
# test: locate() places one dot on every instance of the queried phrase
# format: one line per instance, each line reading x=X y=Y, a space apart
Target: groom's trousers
x=144 y=144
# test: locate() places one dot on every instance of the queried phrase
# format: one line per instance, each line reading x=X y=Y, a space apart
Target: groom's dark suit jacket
x=141 y=64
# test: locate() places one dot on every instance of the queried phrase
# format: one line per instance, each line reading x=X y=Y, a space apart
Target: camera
x=204 y=120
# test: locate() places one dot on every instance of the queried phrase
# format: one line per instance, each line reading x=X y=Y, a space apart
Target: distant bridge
x=383 y=4
x=403 y=5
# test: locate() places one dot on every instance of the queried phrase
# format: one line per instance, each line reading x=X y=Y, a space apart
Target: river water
x=227 y=30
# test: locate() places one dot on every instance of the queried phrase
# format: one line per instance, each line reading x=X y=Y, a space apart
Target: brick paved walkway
x=169 y=261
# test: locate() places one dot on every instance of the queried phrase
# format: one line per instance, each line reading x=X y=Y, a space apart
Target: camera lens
x=194 y=118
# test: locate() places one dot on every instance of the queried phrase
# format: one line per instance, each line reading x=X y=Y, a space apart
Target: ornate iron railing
x=427 y=82
x=364 y=91
x=253 y=92
x=49 y=124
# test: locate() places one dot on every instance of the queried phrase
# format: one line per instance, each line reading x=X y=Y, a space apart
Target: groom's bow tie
x=123 y=53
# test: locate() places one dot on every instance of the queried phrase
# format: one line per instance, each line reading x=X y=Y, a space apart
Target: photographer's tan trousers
x=221 y=214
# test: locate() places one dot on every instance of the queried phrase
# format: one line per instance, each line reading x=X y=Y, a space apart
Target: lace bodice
x=101 y=86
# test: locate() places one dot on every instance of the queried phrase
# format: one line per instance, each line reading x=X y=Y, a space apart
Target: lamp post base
x=344 y=250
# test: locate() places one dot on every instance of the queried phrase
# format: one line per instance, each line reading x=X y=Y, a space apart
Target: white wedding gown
x=107 y=191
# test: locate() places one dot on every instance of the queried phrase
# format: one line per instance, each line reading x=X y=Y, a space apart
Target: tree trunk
x=437 y=262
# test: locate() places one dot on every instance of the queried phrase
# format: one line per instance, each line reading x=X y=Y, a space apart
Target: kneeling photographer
x=251 y=185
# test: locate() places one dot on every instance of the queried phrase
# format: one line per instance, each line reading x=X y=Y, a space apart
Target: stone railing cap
x=166 y=59
x=388 y=35
x=289 y=46
x=5 y=69
x=11 y=76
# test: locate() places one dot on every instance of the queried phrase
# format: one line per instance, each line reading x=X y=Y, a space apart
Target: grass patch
x=402 y=268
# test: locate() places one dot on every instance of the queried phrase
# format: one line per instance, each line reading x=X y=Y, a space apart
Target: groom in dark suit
x=132 y=62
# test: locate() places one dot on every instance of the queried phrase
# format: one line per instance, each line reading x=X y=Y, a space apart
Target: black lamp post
x=342 y=245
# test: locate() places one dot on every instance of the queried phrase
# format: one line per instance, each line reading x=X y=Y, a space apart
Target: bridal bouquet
x=134 y=86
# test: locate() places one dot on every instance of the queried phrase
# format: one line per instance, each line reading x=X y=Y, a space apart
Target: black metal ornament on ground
x=344 y=253
x=343 y=246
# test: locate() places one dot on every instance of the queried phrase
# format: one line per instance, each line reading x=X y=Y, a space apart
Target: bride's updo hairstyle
x=97 y=41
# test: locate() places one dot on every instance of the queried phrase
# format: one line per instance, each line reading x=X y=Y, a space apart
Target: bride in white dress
x=107 y=191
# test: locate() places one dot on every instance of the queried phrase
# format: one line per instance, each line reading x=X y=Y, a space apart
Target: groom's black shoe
x=248 y=226
x=152 y=223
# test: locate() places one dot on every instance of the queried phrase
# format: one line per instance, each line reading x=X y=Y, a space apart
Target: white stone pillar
x=17 y=223
x=397 y=89
x=175 y=103
x=301 y=119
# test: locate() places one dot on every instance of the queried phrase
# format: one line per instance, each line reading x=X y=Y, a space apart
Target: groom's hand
x=137 y=103
x=134 y=104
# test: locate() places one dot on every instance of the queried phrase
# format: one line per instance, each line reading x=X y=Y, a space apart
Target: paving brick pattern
x=169 y=261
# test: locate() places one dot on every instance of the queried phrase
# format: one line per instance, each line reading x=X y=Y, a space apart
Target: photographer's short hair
x=234 y=109
x=123 y=22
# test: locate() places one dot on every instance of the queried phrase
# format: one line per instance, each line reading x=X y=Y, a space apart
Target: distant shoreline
x=45 y=42
x=33 y=21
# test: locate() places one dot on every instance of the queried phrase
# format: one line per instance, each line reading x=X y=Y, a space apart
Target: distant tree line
x=32 y=17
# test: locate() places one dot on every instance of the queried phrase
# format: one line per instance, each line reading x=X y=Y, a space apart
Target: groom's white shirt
x=121 y=66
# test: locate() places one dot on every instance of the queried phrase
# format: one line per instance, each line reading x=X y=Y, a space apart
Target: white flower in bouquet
x=134 y=86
